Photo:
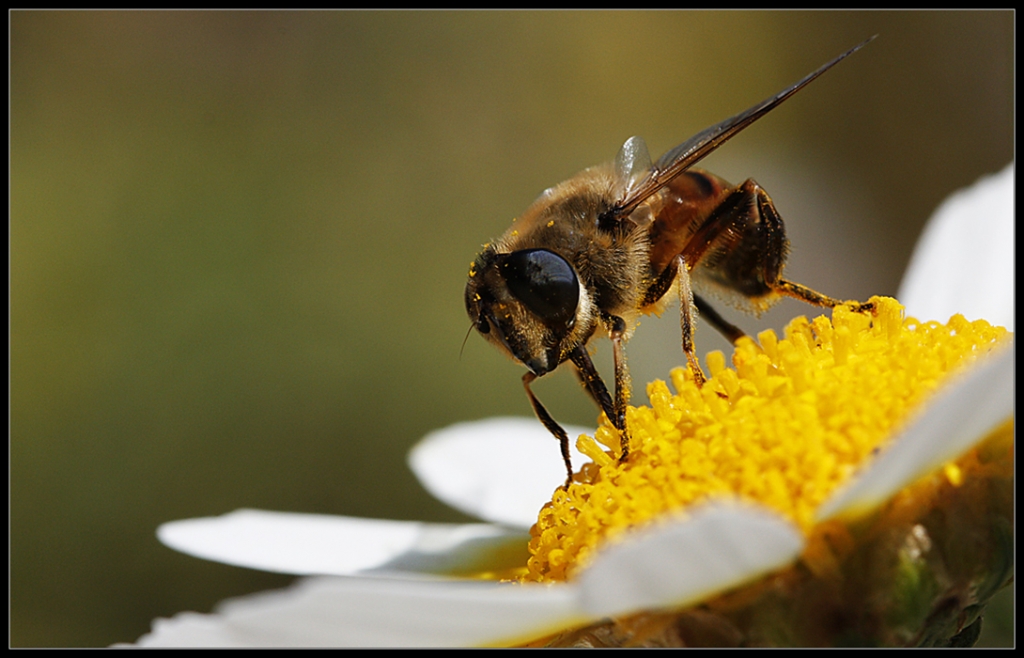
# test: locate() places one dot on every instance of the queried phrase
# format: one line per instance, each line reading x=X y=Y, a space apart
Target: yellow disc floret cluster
x=789 y=423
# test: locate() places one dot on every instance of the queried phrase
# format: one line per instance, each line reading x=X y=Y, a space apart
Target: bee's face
x=529 y=303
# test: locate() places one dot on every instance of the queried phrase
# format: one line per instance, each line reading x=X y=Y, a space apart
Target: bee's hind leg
x=805 y=294
x=775 y=248
x=747 y=233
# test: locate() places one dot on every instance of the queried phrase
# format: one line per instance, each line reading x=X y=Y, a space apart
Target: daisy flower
x=848 y=483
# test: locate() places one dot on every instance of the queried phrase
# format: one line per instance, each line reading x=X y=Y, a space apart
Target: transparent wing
x=632 y=165
x=693 y=150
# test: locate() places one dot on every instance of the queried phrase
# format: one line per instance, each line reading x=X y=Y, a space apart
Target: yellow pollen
x=784 y=427
x=953 y=474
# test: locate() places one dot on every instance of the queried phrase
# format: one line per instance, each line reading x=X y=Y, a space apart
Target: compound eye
x=545 y=283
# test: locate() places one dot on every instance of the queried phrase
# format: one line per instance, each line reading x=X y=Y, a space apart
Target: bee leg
x=661 y=285
x=677 y=271
x=770 y=218
x=616 y=411
x=805 y=294
x=553 y=427
x=687 y=316
x=616 y=329
x=591 y=380
x=731 y=332
x=749 y=236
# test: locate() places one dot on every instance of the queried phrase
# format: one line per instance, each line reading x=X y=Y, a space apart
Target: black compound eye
x=545 y=283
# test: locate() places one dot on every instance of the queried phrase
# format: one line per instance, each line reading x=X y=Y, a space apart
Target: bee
x=611 y=243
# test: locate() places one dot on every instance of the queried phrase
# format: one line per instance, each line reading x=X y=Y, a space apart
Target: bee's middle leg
x=677 y=271
x=687 y=320
x=616 y=330
x=731 y=332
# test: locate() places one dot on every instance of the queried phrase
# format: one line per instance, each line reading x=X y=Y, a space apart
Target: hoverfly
x=610 y=243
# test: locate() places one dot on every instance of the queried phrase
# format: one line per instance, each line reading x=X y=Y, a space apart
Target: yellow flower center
x=789 y=424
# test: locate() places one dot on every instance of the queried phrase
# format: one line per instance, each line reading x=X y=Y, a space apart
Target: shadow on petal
x=358 y=612
x=498 y=469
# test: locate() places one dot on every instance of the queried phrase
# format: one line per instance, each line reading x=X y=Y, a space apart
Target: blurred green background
x=239 y=243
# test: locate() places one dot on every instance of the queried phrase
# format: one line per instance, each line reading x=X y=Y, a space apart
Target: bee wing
x=632 y=165
x=693 y=150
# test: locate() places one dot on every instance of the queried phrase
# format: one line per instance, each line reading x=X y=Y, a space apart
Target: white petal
x=499 y=469
x=316 y=544
x=963 y=262
x=681 y=562
x=964 y=413
x=676 y=563
x=356 y=612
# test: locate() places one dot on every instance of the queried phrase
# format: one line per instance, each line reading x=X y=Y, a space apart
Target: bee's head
x=530 y=304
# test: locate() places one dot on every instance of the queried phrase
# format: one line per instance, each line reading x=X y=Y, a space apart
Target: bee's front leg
x=592 y=381
x=553 y=427
x=615 y=410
